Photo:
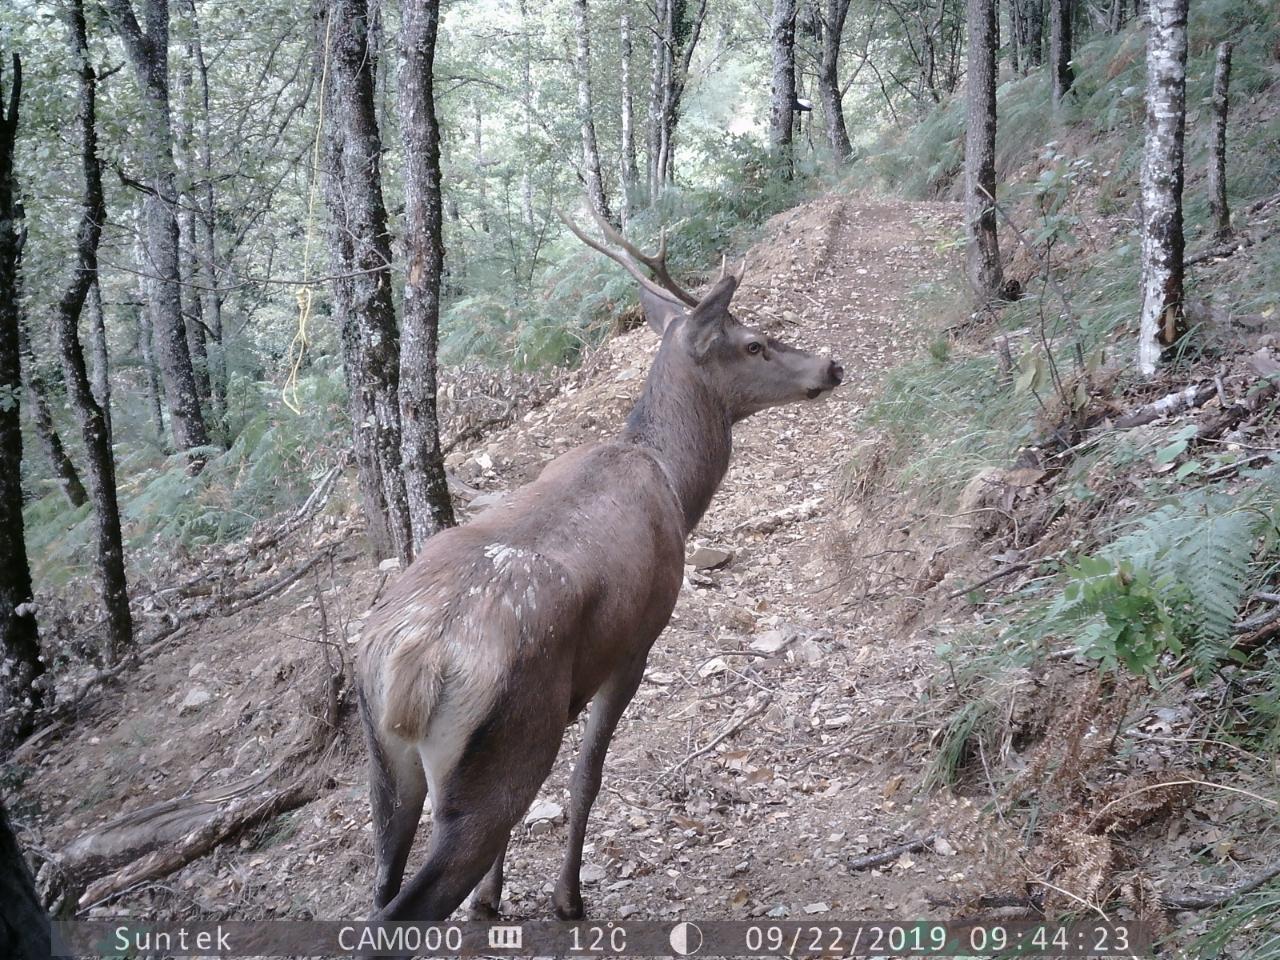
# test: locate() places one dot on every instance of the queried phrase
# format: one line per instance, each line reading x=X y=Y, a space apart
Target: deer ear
x=658 y=311
x=715 y=305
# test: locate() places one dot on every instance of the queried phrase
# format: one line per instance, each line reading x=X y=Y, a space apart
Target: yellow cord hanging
x=298 y=346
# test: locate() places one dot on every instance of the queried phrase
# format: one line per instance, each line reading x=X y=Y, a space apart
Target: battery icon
x=506 y=938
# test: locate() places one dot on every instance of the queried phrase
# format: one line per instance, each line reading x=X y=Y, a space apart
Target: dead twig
x=1205 y=901
x=733 y=727
x=890 y=854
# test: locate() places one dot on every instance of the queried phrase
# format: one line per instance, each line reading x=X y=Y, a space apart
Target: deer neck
x=686 y=428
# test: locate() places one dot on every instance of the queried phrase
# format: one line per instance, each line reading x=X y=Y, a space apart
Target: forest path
x=778 y=732
x=819 y=766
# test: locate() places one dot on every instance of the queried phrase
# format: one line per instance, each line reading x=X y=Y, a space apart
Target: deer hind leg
x=397 y=791
x=487 y=898
x=498 y=774
x=606 y=710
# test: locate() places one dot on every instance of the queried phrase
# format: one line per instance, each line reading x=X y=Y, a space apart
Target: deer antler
x=666 y=287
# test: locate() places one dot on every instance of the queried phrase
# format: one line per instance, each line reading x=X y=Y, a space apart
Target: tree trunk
x=1061 y=16
x=1033 y=35
x=1015 y=36
x=21 y=689
x=782 y=96
x=430 y=508
x=586 y=113
x=147 y=351
x=1162 y=319
x=148 y=52
x=630 y=173
x=1220 y=212
x=101 y=359
x=37 y=393
x=190 y=295
x=93 y=424
x=362 y=248
x=675 y=39
x=833 y=18
x=24 y=926
x=985 y=276
x=657 y=63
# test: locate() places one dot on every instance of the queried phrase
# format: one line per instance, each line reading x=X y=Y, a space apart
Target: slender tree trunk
x=833 y=17
x=37 y=393
x=430 y=508
x=657 y=62
x=372 y=351
x=190 y=295
x=1015 y=36
x=93 y=423
x=21 y=669
x=782 y=97
x=101 y=358
x=630 y=172
x=1061 y=17
x=985 y=275
x=1033 y=42
x=1162 y=321
x=24 y=926
x=148 y=52
x=147 y=351
x=526 y=107
x=1218 y=208
x=586 y=113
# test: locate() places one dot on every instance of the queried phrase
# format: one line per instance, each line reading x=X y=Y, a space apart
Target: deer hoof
x=482 y=910
x=569 y=908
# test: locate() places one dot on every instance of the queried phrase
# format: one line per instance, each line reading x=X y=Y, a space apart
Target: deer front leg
x=487 y=898
x=606 y=711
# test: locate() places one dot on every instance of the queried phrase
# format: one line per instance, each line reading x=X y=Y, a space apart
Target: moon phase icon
x=686 y=938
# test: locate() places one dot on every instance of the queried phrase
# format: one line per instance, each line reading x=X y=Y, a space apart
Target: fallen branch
x=733 y=727
x=1188 y=398
x=1205 y=901
x=890 y=854
x=998 y=575
x=1223 y=250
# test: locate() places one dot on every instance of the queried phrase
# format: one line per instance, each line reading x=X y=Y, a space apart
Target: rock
x=943 y=848
x=817 y=907
x=591 y=874
x=771 y=641
x=709 y=558
x=196 y=698
x=391 y=563
x=544 y=811
x=628 y=910
x=810 y=651
x=486 y=500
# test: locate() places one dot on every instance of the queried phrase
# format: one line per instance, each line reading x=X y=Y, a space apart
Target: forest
x=979 y=623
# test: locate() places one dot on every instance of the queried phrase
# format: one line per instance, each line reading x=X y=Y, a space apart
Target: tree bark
x=361 y=245
x=24 y=926
x=190 y=296
x=101 y=357
x=985 y=275
x=21 y=669
x=93 y=424
x=674 y=41
x=630 y=173
x=1162 y=320
x=37 y=392
x=586 y=112
x=834 y=14
x=1033 y=33
x=1061 y=16
x=430 y=508
x=782 y=96
x=1219 y=211
x=148 y=53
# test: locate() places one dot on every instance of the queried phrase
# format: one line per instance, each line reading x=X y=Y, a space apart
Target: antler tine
x=657 y=263
x=616 y=257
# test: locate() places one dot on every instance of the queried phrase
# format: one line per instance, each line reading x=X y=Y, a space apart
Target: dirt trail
x=775 y=736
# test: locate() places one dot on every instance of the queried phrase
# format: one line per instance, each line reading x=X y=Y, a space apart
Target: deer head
x=738 y=366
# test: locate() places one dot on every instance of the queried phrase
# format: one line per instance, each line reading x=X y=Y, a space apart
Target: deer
x=503 y=629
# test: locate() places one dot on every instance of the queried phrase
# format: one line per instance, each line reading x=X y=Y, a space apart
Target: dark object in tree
x=782 y=97
x=21 y=692
x=1061 y=13
x=430 y=508
x=360 y=247
x=983 y=249
x=24 y=926
x=586 y=114
x=1162 y=321
x=93 y=422
x=1218 y=208
x=833 y=16
x=148 y=52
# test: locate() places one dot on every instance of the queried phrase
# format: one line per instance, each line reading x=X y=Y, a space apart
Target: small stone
x=771 y=641
x=817 y=907
x=709 y=558
x=545 y=811
x=391 y=563
x=943 y=848
x=591 y=873
x=196 y=698
x=628 y=910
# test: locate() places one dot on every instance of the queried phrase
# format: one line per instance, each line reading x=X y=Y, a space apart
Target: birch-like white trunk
x=586 y=113
x=985 y=274
x=782 y=29
x=1162 y=174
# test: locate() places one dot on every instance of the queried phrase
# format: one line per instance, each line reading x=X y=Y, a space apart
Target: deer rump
x=581 y=566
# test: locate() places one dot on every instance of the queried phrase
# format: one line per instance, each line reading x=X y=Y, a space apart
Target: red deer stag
x=503 y=629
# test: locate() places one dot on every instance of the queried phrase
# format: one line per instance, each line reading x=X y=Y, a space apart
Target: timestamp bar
x=603 y=938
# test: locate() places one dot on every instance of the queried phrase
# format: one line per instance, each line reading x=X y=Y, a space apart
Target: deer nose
x=836 y=372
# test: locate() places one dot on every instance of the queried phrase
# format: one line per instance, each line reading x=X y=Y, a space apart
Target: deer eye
x=755 y=347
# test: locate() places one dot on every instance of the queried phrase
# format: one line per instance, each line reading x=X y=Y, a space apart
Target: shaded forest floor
x=806 y=694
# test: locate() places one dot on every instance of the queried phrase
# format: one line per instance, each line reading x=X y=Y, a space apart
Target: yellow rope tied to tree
x=306 y=295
